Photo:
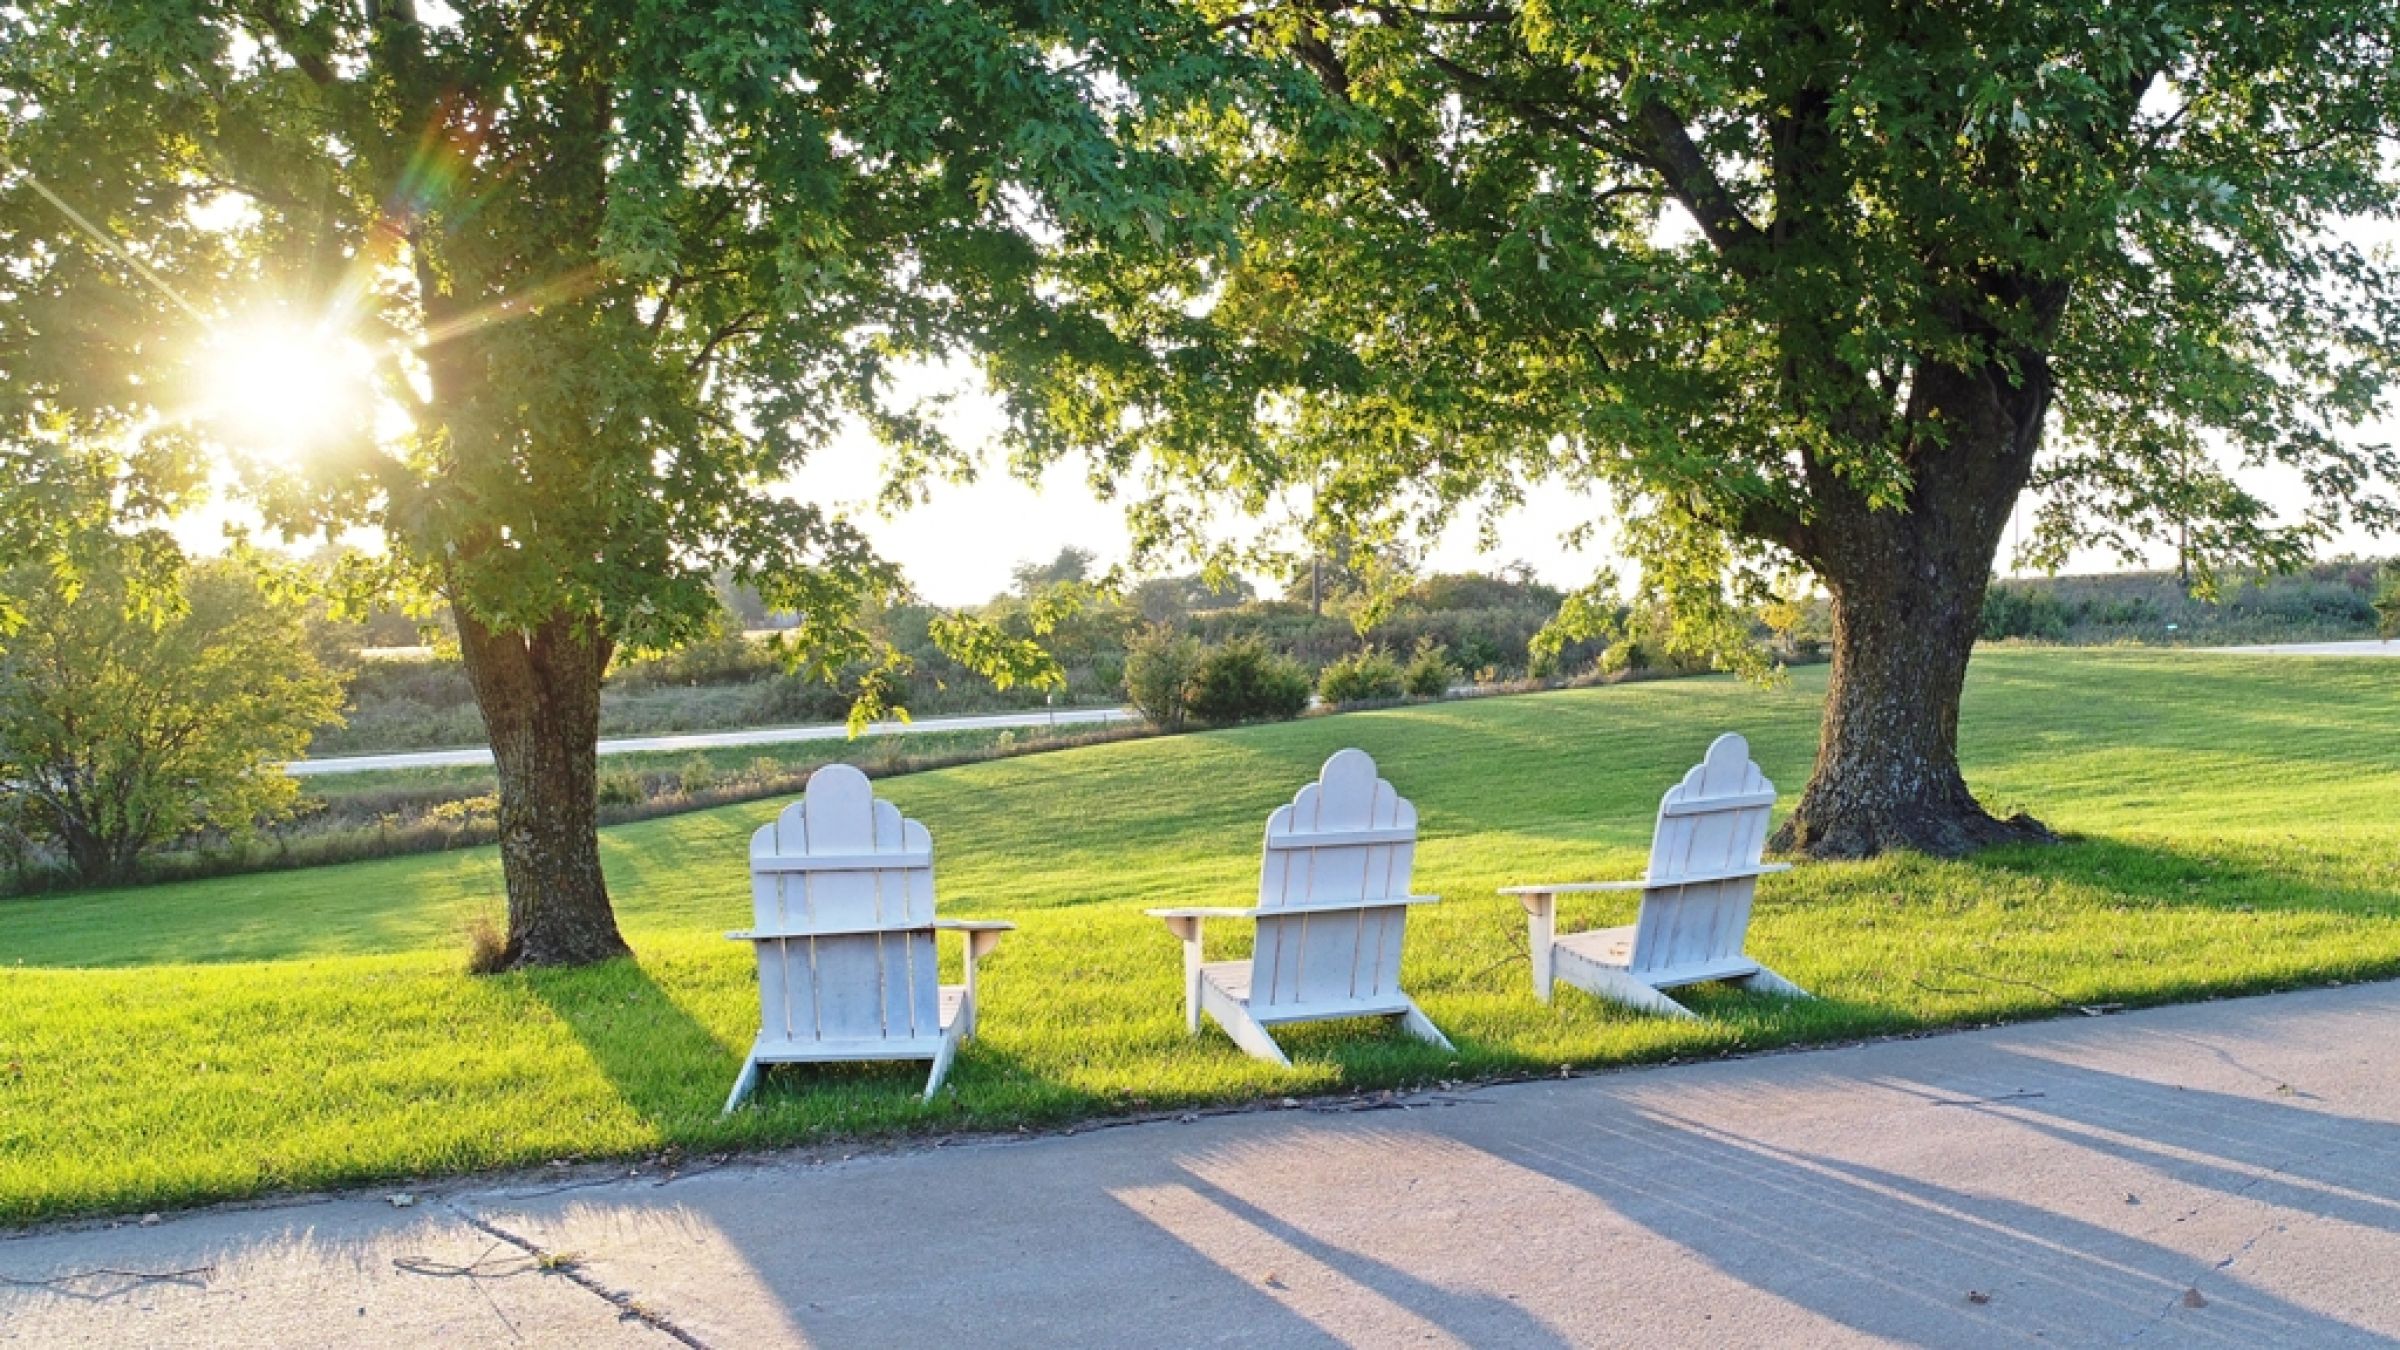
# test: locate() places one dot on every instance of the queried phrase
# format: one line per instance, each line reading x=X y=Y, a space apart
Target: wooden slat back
x=1315 y=854
x=852 y=985
x=1715 y=820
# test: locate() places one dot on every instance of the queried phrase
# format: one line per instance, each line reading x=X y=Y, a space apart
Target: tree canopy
x=1819 y=288
x=1706 y=253
x=612 y=270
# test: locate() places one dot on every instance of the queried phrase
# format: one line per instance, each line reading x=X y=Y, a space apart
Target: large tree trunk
x=1907 y=589
x=98 y=858
x=540 y=697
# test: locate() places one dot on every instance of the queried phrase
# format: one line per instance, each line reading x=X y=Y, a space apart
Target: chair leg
x=951 y=1035
x=747 y=1080
x=1541 y=919
x=1417 y=1024
x=1765 y=981
x=1617 y=986
x=1246 y=1031
x=1186 y=929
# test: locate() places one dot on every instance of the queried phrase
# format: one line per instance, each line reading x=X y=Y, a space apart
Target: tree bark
x=539 y=693
x=1907 y=588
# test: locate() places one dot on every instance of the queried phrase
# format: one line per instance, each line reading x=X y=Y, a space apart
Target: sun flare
x=282 y=390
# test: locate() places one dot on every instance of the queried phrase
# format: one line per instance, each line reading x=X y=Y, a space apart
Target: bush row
x=352 y=826
x=1175 y=679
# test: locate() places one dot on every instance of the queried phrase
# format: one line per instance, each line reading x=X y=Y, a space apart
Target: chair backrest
x=1712 y=826
x=852 y=881
x=1346 y=837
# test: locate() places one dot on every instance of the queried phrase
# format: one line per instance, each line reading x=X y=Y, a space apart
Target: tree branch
x=319 y=71
x=1470 y=81
x=1669 y=150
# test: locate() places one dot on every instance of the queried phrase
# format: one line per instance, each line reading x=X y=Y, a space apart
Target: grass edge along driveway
x=2234 y=833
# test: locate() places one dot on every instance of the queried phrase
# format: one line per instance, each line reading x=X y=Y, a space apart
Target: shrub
x=1367 y=676
x=2022 y=612
x=2387 y=603
x=1429 y=673
x=1160 y=666
x=1245 y=681
x=621 y=787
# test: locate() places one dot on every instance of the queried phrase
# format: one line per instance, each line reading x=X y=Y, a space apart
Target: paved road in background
x=2368 y=647
x=710 y=740
x=432 y=759
x=2222 y=1175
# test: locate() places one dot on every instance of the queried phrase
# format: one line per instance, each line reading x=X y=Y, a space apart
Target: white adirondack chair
x=1704 y=868
x=1333 y=904
x=842 y=891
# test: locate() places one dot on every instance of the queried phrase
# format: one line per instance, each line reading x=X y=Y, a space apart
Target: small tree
x=1429 y=673
x=122 y=728
x=1072 y=565
x=1368 y=676
x=1160 y=665
x=2387 y=603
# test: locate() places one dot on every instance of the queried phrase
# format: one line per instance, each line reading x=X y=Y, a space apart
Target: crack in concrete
x=2222 y=1198
x=628 y=1308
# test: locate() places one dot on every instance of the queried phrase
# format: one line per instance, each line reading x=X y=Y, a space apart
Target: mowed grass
x=2236 y=828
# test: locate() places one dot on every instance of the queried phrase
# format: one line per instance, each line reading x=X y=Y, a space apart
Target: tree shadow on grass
x=2156 y=875
x=673 y=1070
x=665 y=1064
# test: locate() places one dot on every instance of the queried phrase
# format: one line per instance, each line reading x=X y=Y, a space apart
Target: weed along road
x=714 y=740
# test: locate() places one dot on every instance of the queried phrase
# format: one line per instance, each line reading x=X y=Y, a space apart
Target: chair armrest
x=1276 y=911
x=1574 y=888
x=982 y=935
x=1695 y=879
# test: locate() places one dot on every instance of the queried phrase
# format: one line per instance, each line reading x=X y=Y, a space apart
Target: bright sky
x=958 y=547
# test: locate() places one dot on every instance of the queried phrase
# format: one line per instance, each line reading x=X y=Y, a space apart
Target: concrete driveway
x=2218 y=1175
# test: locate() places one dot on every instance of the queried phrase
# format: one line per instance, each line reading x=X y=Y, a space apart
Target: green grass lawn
x=2235 y=824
